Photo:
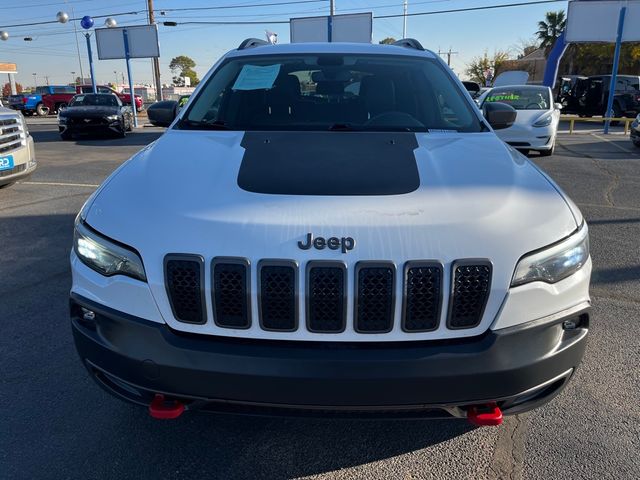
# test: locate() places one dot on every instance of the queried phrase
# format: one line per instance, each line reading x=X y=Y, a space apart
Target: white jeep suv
x=332 y=227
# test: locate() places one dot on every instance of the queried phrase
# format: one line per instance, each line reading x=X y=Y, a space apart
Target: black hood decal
x=329 y=163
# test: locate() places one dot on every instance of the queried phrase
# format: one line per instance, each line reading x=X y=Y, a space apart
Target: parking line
x=60 y=184
x=612 y=143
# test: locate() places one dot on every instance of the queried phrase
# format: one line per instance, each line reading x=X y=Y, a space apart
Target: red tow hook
x=165 y=410
x=485 y=415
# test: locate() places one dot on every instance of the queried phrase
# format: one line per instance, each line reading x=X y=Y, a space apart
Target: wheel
x=42 y=110
x=123 y=130
x=66 y=136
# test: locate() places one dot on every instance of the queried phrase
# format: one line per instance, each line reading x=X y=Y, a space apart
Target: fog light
x=569 y=325
x=88 y=315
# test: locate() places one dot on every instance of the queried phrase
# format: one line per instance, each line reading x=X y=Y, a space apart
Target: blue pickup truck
x=30 y=103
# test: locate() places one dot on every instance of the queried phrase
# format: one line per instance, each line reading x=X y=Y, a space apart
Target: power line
x=471 y=9
x=246 y=5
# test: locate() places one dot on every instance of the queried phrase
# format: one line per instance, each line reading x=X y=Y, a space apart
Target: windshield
x=331 y=92
x=521 y=98
x=101 y=100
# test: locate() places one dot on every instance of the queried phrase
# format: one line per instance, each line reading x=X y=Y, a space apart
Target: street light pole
x=35 y=82
x=155 y=61
x=93 y=78
x=404 y=19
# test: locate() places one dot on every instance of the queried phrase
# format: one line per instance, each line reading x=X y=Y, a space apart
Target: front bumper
x=24 y=164
x=519 y=368
x=99 y=126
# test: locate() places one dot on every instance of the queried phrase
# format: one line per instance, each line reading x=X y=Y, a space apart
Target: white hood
x=477 y=198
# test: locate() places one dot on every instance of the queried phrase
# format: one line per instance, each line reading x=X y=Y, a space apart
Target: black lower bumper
x=517 y=368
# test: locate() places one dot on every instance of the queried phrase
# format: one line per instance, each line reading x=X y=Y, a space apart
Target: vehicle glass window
x=103 y=90
x=331 y=91
x=94 y=100
x=64 y=89
x=521 y=98
x=42 y=90
x=86 y=89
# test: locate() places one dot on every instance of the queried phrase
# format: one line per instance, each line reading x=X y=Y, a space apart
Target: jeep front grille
x=374 y=297
x=277 y=298
x=469 y=293
x=422 y=296
x=328 y=290
x=231 y=301
x=184 y=279
x=326 y=297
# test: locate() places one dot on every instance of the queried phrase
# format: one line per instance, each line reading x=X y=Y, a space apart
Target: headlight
x=112 y=118
x=556 y=262
x=545 y=121
x=23 y=121
x=105 y=256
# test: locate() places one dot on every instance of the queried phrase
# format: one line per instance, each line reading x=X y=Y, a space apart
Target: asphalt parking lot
x=56 y=423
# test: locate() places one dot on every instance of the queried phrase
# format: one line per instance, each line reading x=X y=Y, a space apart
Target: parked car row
x=51 y=99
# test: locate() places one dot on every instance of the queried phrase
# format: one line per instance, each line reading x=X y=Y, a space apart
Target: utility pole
x=46 y=77
x=448 y=53
x=404 y=19
x=155 y=61
x=332 y=7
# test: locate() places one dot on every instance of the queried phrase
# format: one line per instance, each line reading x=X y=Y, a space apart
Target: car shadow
x=135 y=138
x=113 y=439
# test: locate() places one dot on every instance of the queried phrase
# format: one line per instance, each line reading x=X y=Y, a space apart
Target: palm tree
x=550 y=28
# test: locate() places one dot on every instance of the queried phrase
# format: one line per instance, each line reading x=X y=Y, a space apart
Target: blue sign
x=6 y=163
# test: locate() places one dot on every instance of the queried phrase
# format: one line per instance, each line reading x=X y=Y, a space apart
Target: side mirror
x=557 y=106
x=499 y=115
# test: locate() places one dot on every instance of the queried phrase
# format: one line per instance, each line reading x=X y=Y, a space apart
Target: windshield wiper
x=200 y=125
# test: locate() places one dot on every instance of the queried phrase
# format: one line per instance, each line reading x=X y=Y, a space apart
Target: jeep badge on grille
x=334 y=243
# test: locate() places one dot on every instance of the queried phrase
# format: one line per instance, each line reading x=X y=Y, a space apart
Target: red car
x=54 y=101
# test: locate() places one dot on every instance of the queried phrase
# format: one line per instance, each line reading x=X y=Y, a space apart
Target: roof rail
x=252 y=42
x=409 y=43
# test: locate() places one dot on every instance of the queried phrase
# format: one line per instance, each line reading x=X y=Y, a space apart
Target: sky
x=53 y=52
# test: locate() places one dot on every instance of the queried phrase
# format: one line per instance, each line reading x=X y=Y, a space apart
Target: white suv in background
x=17 y=155
x=332 y=227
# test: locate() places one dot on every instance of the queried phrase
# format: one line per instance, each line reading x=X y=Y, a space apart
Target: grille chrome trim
x=185 y=257
x=313 y=264
x=468 y=262
x=411 y=264
x=358 y=303
x=265 y=263
x=235 y=261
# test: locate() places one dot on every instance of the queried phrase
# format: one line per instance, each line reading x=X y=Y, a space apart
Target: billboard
x=143 y=42
x=597 y=21
x=356 y=27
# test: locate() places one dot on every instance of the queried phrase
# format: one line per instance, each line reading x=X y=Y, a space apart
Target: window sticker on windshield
x=509 y=97
x=254 y=77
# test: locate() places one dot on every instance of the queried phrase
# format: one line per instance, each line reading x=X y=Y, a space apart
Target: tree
x=550 y=28
x=387 y=41
x=182 y=66
x=6 y=89
x=479 y=66
x=524 y=47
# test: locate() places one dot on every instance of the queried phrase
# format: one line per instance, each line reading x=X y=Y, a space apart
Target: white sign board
x=597 y=21
x=143 y=42
x=355 y=27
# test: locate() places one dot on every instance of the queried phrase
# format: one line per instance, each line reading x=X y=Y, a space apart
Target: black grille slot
x=278 y=308
x=184 y=282
x=231 y=304
x=375 y=298
x=326 y=297
x=422 y=297
x=469 y=293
